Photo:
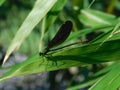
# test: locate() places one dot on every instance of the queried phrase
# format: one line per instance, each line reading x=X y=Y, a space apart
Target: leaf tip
x=5 y=59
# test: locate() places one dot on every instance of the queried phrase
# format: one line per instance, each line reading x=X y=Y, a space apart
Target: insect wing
x=61 y=35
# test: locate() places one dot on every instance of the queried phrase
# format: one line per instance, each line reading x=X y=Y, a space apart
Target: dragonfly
x=60 y=37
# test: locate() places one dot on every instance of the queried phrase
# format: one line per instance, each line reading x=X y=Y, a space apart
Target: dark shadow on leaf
x=75 y=58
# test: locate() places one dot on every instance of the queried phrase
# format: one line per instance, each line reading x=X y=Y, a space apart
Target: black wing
x=61 y=35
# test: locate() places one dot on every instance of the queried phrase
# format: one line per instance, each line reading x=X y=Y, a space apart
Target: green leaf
x=110 y=81
x=40 y=9
x=87 y=54
x=96 y=77
x=82 y=32
x=95 y=18
x=87 y=83
x=52 y=15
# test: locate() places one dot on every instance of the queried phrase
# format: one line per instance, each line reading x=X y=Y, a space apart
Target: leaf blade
x=40 y=9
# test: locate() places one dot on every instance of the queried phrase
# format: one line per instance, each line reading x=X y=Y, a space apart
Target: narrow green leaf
x=52 y=15
x=40 y=9
x=110 y=79
x=67 y=58
x=97 y=76
x=95 y=18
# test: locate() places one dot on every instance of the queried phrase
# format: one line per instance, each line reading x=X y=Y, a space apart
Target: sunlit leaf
x=95 y=18
x=39 y=10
